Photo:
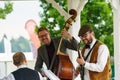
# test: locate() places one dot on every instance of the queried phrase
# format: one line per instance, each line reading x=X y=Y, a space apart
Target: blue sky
x=13 y=25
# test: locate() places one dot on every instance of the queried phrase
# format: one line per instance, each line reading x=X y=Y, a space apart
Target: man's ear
x=25 y=61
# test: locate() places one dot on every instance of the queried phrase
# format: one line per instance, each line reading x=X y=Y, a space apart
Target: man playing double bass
x=49 y=48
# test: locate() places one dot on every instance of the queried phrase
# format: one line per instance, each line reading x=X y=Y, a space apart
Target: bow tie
x=87 y=46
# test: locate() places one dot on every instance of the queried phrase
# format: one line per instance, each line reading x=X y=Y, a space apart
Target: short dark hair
x=41 y=29
x=84 y=29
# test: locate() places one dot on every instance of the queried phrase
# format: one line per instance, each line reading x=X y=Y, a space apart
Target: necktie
x=87 y=46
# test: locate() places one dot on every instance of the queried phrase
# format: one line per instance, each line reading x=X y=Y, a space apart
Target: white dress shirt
x=103 y=53
x=11 y=76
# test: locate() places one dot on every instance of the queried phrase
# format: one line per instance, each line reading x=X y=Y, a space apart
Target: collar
x=93 y=42
x=22 y=66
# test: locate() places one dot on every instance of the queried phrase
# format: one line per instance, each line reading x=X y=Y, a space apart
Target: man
x=22 y=73
x=49 y=48
x=95 y=58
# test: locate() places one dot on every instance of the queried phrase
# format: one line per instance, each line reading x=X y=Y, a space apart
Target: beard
x=90 y=40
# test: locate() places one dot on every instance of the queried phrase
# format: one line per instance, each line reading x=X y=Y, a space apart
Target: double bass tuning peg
x=68 y=23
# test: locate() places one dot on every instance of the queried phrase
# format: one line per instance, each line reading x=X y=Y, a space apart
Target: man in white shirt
x=95 y=58
x=22 y=73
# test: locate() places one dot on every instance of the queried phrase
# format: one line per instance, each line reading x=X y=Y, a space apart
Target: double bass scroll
x=68 y=23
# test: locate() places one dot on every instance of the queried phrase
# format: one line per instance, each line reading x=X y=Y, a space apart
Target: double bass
x=65 y=68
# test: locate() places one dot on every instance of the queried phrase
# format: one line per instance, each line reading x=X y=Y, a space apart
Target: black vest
x=26 y=74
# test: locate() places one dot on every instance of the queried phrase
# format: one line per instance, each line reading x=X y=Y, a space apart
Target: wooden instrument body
x=65 y=68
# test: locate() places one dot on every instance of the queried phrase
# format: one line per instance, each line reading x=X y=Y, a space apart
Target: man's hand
x=43 y=74
x=77 y=71
x=64 y=33
x=81 y=61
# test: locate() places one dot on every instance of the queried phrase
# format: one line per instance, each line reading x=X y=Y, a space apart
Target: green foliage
x=51 y=18
x=97 y=13
x=108 y=39
x=8 y=8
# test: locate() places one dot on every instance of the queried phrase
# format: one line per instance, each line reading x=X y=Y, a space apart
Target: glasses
x=44 y=35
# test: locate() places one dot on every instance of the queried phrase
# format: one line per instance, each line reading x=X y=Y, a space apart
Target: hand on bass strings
x=65 y=33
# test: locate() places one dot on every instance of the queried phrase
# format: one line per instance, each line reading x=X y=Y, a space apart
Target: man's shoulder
x=26 y=73
x=23 y=70
x=100 y=42
x=55 y=38
x=41 y=47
